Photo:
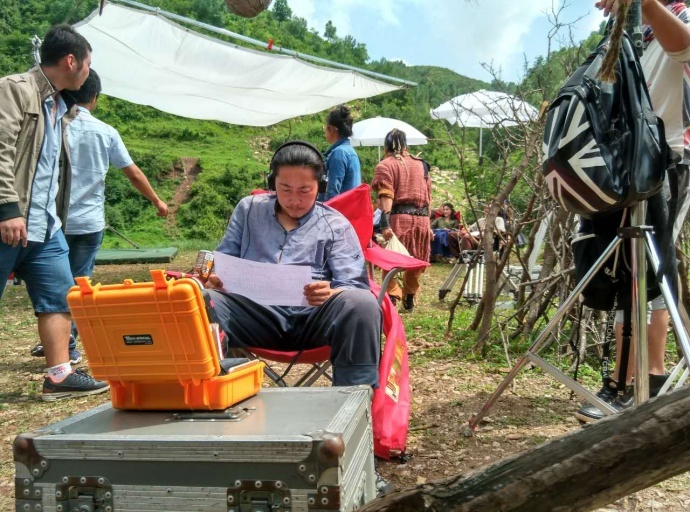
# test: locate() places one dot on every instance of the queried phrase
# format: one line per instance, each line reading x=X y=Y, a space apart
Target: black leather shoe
x=589 y=413
x=408 y=302
x=656 y=382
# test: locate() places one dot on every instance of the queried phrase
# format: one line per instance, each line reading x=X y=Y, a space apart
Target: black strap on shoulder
x=426 y=169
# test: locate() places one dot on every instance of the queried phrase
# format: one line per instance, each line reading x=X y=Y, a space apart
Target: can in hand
x=204 y=264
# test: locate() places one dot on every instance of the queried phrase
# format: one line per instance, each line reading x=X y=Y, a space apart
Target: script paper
x=266 y=283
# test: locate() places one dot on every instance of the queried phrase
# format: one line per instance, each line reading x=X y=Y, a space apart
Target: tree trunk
x=587 y=469
x=550 y=260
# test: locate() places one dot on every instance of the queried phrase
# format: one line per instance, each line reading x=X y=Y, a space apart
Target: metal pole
x=480 y=138
x=639 y=306
x=261 y=44
x=122 y=236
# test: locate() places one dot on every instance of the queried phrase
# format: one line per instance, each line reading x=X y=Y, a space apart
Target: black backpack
x=604 y=147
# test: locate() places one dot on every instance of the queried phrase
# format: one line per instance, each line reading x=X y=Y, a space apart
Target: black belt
x=410 y=209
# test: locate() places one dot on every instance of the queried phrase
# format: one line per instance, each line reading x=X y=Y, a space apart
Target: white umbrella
x=485 y=109
x=372 y=132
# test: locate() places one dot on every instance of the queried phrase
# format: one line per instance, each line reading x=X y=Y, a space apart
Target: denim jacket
x=342 y=168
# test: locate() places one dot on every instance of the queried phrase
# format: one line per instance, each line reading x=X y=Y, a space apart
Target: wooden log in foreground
x=589 y=468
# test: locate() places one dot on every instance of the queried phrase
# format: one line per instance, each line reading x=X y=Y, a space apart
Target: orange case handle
x=159 y=280
x=84 y=284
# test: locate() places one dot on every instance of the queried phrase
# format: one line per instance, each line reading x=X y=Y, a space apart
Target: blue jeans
x=82 y=260
x=44 y=267
x=439 y=245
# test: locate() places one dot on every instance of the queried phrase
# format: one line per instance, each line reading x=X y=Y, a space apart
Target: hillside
x=228 y=161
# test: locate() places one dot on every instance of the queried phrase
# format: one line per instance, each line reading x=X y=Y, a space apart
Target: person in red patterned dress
x=402 y=184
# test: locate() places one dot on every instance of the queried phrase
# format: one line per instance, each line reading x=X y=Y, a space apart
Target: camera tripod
x=643 y=246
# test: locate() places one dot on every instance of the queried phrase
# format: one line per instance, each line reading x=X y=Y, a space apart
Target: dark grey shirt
x=324 y=240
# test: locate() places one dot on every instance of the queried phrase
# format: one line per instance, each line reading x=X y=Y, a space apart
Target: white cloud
x=458 y=34
x=494 y=30
x=343 y=13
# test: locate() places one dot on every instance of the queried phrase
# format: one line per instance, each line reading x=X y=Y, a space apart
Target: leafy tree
x=330 y=32
x=209 y=11
x=9 y=15
x=282 y=11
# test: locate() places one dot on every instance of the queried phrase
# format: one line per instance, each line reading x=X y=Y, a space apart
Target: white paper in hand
x=266 y=283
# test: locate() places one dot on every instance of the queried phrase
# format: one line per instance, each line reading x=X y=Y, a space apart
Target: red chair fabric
x=355 y=205
x=310 y=356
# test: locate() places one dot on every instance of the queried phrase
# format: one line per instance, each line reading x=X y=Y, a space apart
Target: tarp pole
x=480 y=139
x=261 y=44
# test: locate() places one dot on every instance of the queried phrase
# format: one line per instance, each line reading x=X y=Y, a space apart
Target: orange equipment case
x=152 y=342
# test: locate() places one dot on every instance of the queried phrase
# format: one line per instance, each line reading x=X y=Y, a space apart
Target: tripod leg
x=639 y=307
x=680 y=321
x=450 y=281
x=544 y=335
x=624 y=356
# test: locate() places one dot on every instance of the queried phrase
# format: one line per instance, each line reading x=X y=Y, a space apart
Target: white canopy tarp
x=149 y=60
x=372 y=132
x=483 y=108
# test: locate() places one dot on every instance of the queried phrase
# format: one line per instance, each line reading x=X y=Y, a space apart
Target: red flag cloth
x=390 y=410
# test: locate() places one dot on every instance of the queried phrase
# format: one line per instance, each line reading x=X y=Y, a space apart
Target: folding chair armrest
x=389 y=260
x=384 y=285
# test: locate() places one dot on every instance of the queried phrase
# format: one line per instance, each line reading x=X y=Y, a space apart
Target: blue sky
x=457 y=34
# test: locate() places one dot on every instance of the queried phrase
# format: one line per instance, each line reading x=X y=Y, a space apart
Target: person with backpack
x=664 y=63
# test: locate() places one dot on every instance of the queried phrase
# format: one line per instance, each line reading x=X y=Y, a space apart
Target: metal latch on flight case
x=258 y=496
x=84 y=494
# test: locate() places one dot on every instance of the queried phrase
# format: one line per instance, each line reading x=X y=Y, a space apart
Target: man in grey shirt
x=291 y=228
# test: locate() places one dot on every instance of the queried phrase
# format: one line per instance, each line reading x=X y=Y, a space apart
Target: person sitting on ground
x=342 y=163
x=289 y=227
x=93 y=146
x=442 y=227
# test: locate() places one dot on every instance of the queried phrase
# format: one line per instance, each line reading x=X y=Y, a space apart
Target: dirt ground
x=446 y=391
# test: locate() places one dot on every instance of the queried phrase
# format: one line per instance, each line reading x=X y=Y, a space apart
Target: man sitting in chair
x=290 y=227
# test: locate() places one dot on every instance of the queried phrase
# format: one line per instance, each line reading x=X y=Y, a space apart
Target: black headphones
x=323 y=178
